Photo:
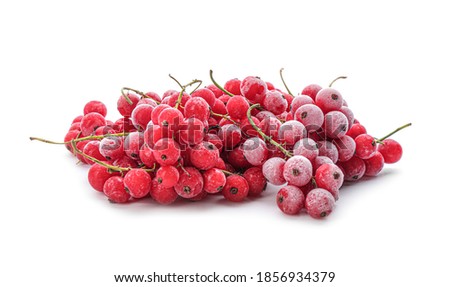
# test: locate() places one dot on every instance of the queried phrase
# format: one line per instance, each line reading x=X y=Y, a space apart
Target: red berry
x=192 y=131
x=319 y=203
x=114 y=189
x=198 y=108
x=311 y=90
x=146 y=156
x=141 y=116
x=297 y=170
x=205 y=94
x=204 y=155
x=98 y=175
x=230 y=134
x=299 y=101
x=329 y=99
x=237 y=158
x=91 y=122
x=346 y=147
x=255 y=151
x=275 y=102
x=112 y=148
x=161 y=194
x=236 y=188
x=331 y=178
x=290 y=199
x=310 y=116
x=214 y=180
x=335 y=125
x=353 y=169
x=154 y=133
x=132 y=144
x=328 y=149
x=124 y=108
x=170 y=119
x=92 y=149
x=256 y=181
x=391 y=150
x=237 y=107
x=190 y=183
x=254 y=89
x=167 y=176
x=374 y=164
x=273 y=170
x=356 y=130
x=157 y=111
x=306 y=147
x=166 y=151
x=217 y=92
x=291 y=132
x=365 y=146
x=233 y=86
x=137 y=182
x=96 y=107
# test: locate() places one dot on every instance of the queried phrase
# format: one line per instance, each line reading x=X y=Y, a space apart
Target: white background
x=57 y=55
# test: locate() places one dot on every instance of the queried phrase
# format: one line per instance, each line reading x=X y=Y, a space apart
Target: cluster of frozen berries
x=230 y=141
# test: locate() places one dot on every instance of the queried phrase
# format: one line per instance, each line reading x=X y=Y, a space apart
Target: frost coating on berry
x=329 y=99
x=319 y=203
x=255 y=151
x=290 y=199
x=297 y=170
x=365 y=146
x=306 y=147
x=374 y=165
x=137 y=182
x=256 y=181
x=204 y=155
x=299 y=101
x=346 y=147
x=335 y=125
x=328 y=149
x=353 y=169
x=114 y=189
x=291 y=131
x=311 y=116
x=254 y=89
x=190 y=183
x=331 y=178
x=275 y=102
x=273 y=170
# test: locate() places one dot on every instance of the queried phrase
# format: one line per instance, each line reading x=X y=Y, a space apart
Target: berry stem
x=217 y=85
x=125 y=95
x=222 y=116
x=110 y=167
x=284 y=83
x=396 y=130
x=338 y=78
x=80 y=139
x=226 y=172
x=266 y=137
x=183 y=88
x=178 y=82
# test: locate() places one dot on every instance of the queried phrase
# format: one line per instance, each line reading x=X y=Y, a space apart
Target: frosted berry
x=114 y=189
x=190 y=183
x=297 y=170
x=330 y=177
x=319 y=203
x=365 y=146
x=256 y=181
x=273 y=170
x=290 y=199
x=374 y=164
x=137 y=182
x=214 y=180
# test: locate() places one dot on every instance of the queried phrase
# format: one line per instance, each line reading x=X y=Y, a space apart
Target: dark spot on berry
x=187 y=189
x=163 y=157
x=234 y=190
x=133 y=155
x=323 y=214
x=280 y=199
x=355 y=177
x=159 y=180
x=373 y=143
x=295 y=172
x=165 y=123
x=220 y=188
x=127 y=190
x=210 y=146
x=108 y=158
x=334 y=97
x=304 y=115
x=344 y=128
x=336 y=175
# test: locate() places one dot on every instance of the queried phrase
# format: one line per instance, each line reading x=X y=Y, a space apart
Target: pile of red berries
x=228 y=140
